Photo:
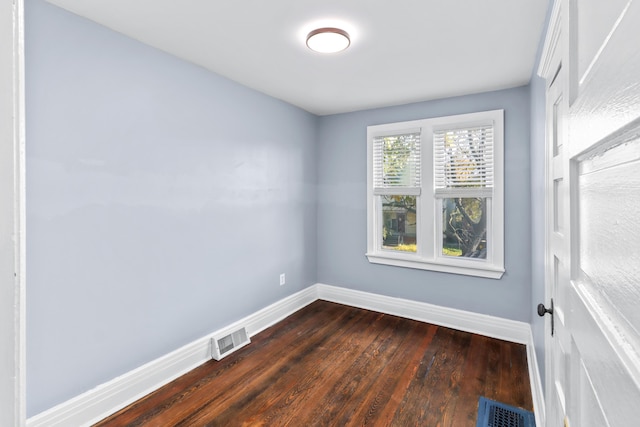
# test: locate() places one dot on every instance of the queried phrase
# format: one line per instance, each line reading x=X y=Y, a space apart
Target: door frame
x=12 y=215
x=552 y=66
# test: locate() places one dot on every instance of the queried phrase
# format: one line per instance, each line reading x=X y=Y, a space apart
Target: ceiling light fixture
x=328 y=40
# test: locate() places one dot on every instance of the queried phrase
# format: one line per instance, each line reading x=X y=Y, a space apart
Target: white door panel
x=607 y=100
x=603 y=375
x=609 y=205
x=596 y=19
x=593 y=217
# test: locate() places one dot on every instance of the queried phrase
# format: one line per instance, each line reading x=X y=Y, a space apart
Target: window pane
x=464 y=227
x=399 y=223
x=463 y=158
x=396 y=161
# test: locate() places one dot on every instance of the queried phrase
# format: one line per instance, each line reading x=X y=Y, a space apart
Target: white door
x=593 y=216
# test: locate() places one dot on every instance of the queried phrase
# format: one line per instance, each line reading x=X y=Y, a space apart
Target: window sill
x=410 y=261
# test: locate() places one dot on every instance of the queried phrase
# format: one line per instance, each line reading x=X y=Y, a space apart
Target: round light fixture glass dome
x=328 y=40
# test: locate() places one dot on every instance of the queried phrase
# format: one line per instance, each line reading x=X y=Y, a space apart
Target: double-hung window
x=435 y=194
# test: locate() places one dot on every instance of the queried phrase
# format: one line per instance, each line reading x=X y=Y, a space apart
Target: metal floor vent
x=496 y=414
x=225 y=345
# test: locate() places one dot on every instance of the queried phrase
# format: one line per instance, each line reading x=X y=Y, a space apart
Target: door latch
x=542 y=310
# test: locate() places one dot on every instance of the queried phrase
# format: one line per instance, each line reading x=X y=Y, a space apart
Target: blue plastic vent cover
x=496 y=414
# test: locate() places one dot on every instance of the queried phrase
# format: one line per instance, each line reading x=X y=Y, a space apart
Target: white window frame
x=428 y=206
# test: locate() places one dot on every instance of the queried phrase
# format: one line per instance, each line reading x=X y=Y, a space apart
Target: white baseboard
x=537 y=392
x=108 y=398
x=482 y=324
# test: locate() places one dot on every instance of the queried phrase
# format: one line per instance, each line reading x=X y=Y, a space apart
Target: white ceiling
x=401 y=51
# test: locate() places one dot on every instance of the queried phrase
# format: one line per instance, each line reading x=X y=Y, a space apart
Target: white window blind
x=396 y=163
x=463 y=161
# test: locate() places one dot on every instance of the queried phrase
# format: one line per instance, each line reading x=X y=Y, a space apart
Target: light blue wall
x=342 y=216
x=163 y=202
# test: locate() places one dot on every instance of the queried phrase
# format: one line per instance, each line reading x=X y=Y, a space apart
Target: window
x=435 y=194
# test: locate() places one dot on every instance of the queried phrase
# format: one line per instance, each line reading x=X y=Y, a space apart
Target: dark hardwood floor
x=333 y=365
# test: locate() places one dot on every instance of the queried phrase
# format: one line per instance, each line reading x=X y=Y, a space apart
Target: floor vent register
x=496 y=414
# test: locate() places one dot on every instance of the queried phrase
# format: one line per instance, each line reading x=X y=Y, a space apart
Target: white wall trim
x=106 y=399
x=537 y=392
x=12 y=218
x=550 y=42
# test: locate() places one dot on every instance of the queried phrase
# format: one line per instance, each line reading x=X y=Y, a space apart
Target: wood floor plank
x=439 y=370
x=520 y=393
x=330 y=385
x=394 y=381
x=284 y=392
x=363 y=377
x=492 y=376
x=334 y=365
x=472 y=385
x=261 y=370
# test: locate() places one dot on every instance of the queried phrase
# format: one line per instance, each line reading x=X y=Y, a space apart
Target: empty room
x=338 y=213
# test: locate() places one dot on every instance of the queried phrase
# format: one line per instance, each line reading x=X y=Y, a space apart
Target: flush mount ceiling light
x=328 y=40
